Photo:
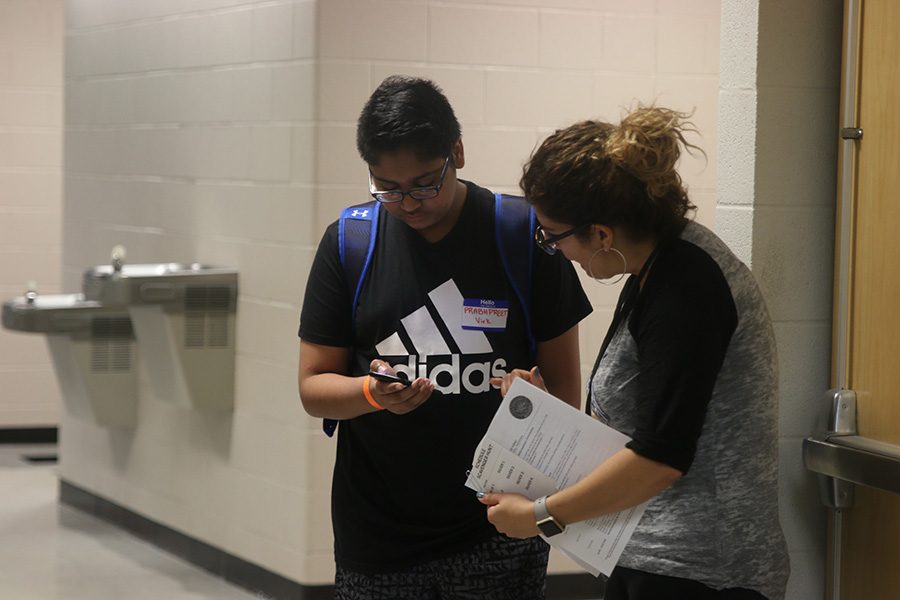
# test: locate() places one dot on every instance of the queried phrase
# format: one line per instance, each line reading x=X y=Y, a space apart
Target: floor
x=49 y=551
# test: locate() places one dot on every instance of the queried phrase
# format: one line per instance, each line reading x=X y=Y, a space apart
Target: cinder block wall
x=514 y=72
x=222 y=132
x=189 y=136
x=778 y=159
x=31 y=86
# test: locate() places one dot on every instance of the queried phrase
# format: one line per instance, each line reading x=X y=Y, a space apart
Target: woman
x=687 y=370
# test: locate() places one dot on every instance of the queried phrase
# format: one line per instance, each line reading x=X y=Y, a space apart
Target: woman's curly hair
x=620 y=176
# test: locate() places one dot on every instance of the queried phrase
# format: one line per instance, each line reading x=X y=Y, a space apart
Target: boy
x=404 y=524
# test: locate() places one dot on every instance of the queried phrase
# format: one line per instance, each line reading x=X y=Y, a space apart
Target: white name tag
x=484 y=315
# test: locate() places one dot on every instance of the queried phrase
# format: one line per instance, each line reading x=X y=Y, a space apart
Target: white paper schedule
x=537 y=444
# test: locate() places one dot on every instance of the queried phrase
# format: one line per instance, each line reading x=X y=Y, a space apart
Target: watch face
x=549 y=527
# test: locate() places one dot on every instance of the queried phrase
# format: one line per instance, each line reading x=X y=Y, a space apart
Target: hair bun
x=646 y=145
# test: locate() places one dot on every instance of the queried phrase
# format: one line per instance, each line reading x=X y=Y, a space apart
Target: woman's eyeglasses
x=422 y=193
x=549 y=243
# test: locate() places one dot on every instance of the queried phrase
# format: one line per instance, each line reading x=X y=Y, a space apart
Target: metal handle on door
x=836 y=493
x=855 y=459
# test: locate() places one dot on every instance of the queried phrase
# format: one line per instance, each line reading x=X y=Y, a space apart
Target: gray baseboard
x=247 y=575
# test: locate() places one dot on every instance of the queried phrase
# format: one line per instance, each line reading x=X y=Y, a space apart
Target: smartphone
x=390 y=378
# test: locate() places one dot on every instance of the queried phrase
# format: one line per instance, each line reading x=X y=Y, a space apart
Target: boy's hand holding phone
x=384 y=395
x=391 y=377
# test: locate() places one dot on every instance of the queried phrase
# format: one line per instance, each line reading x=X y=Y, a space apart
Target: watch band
x=540 y=509
x=548 y=525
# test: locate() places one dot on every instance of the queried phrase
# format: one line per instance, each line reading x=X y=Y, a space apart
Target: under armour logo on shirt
x=360 y=213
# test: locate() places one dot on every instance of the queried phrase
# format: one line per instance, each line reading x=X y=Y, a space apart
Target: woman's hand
x=396 y=397
x=533 y=377
x=511 y=514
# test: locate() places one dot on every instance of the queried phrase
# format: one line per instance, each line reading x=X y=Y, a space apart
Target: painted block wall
x=31 y=86
x=778 y=121
x=222 y=131
x=189 y=129
x=514 y=72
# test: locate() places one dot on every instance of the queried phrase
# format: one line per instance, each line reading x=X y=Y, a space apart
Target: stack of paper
x=536 y=445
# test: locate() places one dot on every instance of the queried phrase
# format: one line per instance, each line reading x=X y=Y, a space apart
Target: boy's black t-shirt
x=398 y=495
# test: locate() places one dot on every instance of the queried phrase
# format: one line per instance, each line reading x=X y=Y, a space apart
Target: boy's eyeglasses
x=422 y=193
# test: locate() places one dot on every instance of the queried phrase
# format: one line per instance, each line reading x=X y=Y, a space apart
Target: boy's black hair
x=406 y=113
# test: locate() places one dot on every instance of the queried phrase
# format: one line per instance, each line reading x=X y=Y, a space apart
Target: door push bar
x=842 y=458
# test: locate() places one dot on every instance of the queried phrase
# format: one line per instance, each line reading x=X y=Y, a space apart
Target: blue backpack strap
x=357 y=230
x=515 y=221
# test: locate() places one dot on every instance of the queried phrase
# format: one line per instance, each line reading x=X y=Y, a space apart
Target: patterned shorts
x=498 y=569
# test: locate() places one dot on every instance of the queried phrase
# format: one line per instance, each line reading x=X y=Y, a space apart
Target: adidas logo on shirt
x=452 y=372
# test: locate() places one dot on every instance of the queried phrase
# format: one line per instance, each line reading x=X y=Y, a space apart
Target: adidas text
x=475 y=377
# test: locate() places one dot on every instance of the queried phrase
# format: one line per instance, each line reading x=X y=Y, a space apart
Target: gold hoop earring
x=618 y=277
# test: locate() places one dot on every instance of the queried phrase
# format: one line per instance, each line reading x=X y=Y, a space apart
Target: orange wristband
x=368 y=394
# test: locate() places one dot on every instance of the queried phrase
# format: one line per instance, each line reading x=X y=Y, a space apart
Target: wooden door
x=867 y=322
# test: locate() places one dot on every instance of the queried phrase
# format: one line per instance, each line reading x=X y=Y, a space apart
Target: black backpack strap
x=357 y=230
x=515 y=222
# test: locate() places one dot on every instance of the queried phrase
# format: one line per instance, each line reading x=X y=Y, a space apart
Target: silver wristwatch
x=548 y=525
